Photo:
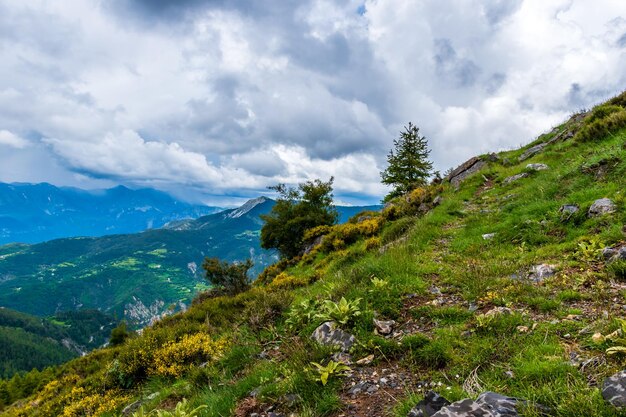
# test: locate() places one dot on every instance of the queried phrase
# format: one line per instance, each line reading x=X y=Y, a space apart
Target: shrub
x=601 y=128
x=175 y=358
x=602 y=111
x=397 y=229
x=372 y=243
x=231 y=278
x=119 y=334
x=302 y=313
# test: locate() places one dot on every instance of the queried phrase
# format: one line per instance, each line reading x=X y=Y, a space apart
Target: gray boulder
x=601 y=206
x=537 y=167
x=614 y=389
x=431 y=403
x=567 y=210
x=328 y=334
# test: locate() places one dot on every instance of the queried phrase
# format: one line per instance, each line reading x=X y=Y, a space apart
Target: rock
x=464 y=170
x=291 y=399
x=384 y=327
x=608 y=253
x=621 y=254
x=537 y=167
x=437 y=201
x=614 y=389
x=497 y=311
x=431 y=403
x=532 y=151
x=316 y=242
x=488 y=404
x=328 y=334
x=540 y=272
x=569 y=209
x=342 y=357
x=359 y=388
x=601 y=206
x=131 y=408
x=489 y=236
x=366 y=360
x=515 y=177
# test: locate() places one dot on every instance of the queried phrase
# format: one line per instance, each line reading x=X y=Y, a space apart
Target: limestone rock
x=516 y=177
x=601 y=206
x=488 y=404
x=540 y=272
x=569 y=209
x=608 y=253
x=328 y=334
x=384 y=327
x=532 y=151
x=431 y=403
x=464 y=170
x=489 y=236
x=614 y=389
x=537 y=167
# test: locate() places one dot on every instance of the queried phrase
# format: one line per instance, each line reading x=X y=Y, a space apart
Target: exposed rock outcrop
x=466 y=169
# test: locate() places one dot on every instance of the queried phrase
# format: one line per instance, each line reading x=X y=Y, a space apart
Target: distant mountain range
x=33 y=213
x=138 y=276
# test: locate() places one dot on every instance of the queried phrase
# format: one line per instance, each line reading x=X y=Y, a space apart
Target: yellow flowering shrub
x=177 y=357
x=284 y=280
x=372 y=243
x=83 y=404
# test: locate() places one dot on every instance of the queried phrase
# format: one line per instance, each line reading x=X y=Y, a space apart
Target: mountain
x=28 y=342
x=499 y=290
x=136 y=276
x=32 y=213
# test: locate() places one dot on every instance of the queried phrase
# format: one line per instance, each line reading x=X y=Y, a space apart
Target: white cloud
x=9 y=139
x=228 y=100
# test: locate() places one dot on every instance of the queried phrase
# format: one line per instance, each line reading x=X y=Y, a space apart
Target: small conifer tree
x=409 y=166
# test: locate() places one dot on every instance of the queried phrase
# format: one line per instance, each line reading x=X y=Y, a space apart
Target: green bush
x=601 y=128
x=397 y=229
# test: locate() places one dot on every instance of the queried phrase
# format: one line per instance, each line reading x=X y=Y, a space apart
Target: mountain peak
x=247 y=207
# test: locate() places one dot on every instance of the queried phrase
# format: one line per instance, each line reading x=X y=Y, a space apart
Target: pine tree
x=409 y=166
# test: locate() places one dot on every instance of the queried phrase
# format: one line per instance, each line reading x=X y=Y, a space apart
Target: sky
x=215 y=100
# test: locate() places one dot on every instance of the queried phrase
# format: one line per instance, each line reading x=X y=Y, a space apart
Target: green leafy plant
x=182 y=409
x=589 y=250
x=332 y=368
x=379 y=285
x=342 y=312
x=302 y=313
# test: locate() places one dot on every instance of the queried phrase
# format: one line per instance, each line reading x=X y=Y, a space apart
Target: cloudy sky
x=217 y=99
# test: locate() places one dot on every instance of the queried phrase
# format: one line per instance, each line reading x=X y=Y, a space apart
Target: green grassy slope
x=455 y=278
